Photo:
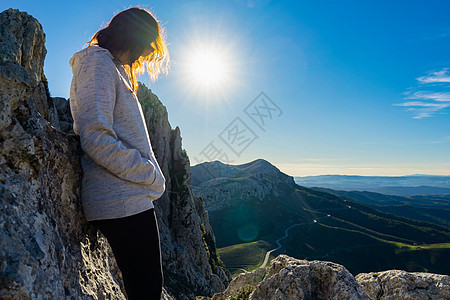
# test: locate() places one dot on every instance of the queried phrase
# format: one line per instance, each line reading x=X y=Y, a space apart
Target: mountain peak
x=216 y=169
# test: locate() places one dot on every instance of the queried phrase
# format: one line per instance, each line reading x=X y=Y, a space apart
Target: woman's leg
x=136 y=246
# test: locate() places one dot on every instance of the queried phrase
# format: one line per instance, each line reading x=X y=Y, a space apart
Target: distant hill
x=395 y=185
x=429 y=208
x=256 y=201
x=409 y=190
x=223 y=185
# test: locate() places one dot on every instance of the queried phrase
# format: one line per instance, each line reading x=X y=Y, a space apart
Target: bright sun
x=208 y=71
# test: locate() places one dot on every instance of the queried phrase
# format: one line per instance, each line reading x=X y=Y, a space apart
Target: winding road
x=266 y=259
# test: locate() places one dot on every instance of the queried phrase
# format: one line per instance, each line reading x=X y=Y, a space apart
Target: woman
x=121 y=176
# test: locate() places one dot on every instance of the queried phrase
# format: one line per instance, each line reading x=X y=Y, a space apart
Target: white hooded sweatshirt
x=121 y=176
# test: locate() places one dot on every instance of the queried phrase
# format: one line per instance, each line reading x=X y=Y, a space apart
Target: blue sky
x=343 y=87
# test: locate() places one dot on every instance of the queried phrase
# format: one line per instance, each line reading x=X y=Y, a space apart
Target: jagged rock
x=22 y=59
x=290 y=278
x=22 y=42
x=48 y=249
x=399 y=285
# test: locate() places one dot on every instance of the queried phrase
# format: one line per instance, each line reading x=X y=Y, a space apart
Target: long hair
x=135 y=30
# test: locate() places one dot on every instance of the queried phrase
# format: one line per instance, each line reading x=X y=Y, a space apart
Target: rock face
x=48 y=250
x=398 y=285
x=289 y=278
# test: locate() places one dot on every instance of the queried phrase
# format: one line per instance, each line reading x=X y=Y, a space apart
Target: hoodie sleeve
x=92 y=98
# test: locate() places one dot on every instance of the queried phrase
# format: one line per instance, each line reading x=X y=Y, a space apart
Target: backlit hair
x=135 y=29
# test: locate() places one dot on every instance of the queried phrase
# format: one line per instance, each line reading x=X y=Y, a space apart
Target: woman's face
x=131 y=56
x=148 y=51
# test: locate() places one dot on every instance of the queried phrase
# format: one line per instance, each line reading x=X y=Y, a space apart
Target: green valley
x=258 y=206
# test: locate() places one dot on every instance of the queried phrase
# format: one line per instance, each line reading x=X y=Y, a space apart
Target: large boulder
x=400 y=285
x=289 y=278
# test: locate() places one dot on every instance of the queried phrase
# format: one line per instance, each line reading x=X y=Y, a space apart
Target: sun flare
x=208 y=70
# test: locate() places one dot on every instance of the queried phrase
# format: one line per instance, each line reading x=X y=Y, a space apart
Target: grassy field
x=408 y=247
x=246 y=256
x=353 y=248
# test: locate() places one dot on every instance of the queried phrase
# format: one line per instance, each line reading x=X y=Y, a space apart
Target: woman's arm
x=92 y=103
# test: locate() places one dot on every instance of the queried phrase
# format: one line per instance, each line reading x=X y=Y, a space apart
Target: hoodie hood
x=74 y=61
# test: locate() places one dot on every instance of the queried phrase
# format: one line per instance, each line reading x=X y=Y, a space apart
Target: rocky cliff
x=288 y=278
x=48 y=250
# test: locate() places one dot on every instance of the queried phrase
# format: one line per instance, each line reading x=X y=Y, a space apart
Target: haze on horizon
x=351 y=88
x=313 y=170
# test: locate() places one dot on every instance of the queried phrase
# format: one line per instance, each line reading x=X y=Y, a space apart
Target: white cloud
x=423 y=109
x=424 y=104
x=440 y=76
x=439 y=96
x=429 y=103
x=421 y=113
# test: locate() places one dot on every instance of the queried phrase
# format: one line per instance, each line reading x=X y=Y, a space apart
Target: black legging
x=135 y=244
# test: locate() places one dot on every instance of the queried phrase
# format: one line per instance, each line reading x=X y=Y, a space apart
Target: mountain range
x=430 y=208
x=257 y=202
x=392 y=185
